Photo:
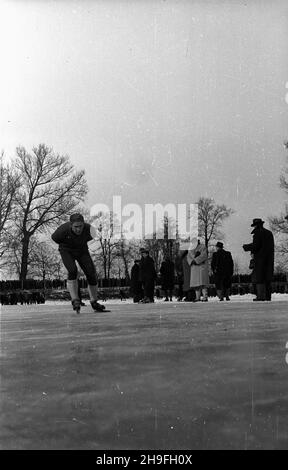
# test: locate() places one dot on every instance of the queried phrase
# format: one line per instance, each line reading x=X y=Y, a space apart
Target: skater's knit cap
x=76 y=218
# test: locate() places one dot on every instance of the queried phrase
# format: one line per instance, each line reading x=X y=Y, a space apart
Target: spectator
x=147 y=276
x=136 y=285
x=198 y=259
x=182 y=264
x=180 y=276
x=222 y=268
x=167 y=277
x=262 y=249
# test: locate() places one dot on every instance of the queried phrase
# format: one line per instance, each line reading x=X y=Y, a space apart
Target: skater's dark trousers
x=85 y=263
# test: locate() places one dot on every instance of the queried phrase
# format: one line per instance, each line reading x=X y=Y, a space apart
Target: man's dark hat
x=257 y=222
x=219 y=244
x=143 y=250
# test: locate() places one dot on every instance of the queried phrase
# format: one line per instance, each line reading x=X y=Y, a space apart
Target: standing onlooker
x=136 y=284
x=180 y=277
x=198 y=259
x=147 y=275
x=262 y=249
x=184 y=274
x=167 y=277
x=222 y=267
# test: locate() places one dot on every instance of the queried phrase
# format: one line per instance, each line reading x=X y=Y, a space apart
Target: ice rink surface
x=157 y=376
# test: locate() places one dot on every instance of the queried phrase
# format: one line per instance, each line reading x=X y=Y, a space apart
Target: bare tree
x=43 y=260
x=160 y=245
x=50 y=190
x=127 y=251
x=211 y=216
x=9 y=185
x=155 y=246
x=279 y=224
x=105 y=246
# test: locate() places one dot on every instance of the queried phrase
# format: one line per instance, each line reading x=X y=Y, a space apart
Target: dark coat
x=262 y=248
x=147 y=270
x=186 y=270
x=222 y=267
x=135 y=282
x=167 y=274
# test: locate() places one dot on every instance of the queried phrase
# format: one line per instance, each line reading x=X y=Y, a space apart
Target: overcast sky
x=159 y=101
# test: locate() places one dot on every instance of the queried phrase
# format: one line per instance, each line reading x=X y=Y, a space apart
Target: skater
x=147 y=276
x=262 y=247
x=167 y=278
x=72 y=238
x=222 y=268
x=197 y=257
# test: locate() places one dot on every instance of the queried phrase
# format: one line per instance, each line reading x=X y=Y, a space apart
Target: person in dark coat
x=122 y=295
x=147 y=276
x=262 y=249
x=135 y=283
x=222 y=267
x=167 y=277
x=180 y=276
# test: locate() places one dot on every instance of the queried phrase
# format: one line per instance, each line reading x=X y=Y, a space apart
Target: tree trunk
x=44 y=281
x=24 y=258
x=127 y=275
x=206 y=239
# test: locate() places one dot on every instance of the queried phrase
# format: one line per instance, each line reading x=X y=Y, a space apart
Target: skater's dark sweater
x=69 y=241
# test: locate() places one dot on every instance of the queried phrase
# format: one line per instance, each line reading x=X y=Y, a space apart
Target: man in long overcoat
x=222 y=267
x=136 y=285
x=262 y=249
x=147 y=275
x=167 y=272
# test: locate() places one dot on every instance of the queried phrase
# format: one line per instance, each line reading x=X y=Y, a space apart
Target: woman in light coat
x=198 y=259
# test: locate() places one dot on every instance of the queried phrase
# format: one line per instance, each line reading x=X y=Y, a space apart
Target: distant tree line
x=52 y=284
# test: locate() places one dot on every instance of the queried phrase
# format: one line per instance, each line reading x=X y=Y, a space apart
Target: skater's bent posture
x=72 y=238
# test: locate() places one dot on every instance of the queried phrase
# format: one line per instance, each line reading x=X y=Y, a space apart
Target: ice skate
x=97 y=307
